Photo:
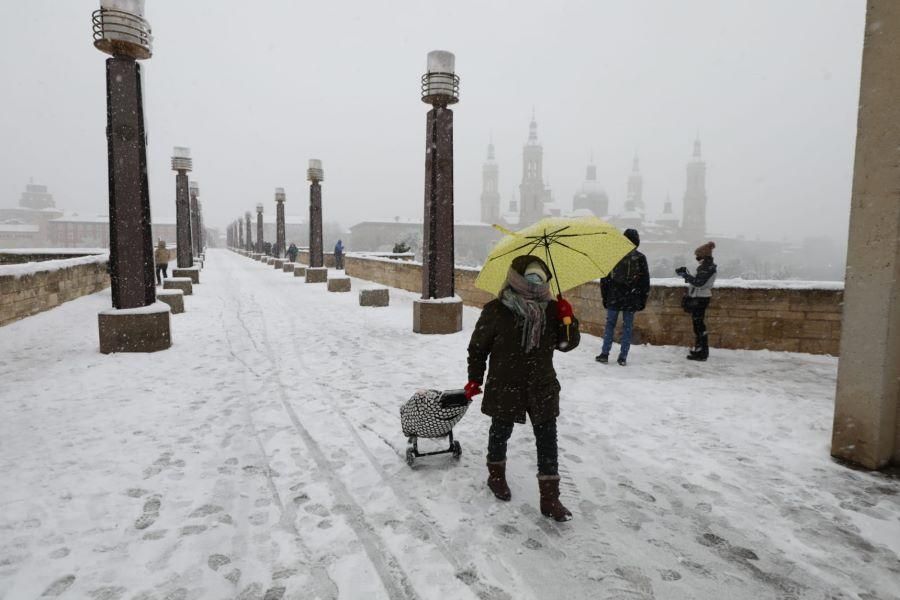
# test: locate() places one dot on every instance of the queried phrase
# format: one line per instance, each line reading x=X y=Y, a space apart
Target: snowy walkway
x=261 y=457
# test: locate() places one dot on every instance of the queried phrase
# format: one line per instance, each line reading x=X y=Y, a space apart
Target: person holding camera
x=698 y=296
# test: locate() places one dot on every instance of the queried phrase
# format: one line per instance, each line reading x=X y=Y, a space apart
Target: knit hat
x=633 y=236
x=706 y=250
x=520 y=263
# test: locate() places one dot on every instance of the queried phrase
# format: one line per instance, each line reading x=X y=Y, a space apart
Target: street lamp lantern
x=181 y=159
x=121 y=30
x=280 y=196
x=440 y=85
x=315 y=173
x=195 y=188
x=259 y=208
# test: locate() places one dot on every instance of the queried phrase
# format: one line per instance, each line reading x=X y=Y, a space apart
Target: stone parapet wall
x=775 y=318
x=28 y=294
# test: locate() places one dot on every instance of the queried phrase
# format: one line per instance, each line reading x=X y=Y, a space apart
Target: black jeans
x=544 y=437
x=698 y=319
x=339 y=261
x=161 y=271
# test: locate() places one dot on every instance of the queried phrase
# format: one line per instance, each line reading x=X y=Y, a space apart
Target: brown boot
x=497 y=480
x=550 y=504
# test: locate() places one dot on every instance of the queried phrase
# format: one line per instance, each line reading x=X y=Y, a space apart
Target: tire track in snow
x=321 y=580
x=392 y=576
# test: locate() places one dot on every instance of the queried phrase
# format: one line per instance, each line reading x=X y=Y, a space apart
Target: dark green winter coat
x=517 y=383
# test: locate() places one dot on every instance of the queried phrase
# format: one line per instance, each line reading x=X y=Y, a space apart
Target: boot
x=497 y=480
x=550 y=504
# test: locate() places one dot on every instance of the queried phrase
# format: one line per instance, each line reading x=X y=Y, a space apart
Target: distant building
x=490 y=188
x=534 y=195
x=25 y=225
x=693 y=223
x=473 y=241
x=591 y=196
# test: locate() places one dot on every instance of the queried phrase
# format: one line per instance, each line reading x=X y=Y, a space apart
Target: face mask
x=534 y=278
x=699 y=258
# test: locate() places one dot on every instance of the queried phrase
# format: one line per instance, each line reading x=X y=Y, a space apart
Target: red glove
x=564 y=310
x=473 y=388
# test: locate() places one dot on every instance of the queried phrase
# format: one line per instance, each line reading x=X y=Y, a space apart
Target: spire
x=667 y=207
x=491 y=147
x=636 y=164
x=697 y=146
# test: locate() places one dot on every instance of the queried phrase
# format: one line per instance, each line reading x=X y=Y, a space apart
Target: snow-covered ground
x=262 y=457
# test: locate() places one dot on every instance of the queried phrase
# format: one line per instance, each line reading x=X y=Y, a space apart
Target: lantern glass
x=181 y=152
x=259 y=208
x=195 y=188
x=441 y=61
x=315 y=163
x=134 y=7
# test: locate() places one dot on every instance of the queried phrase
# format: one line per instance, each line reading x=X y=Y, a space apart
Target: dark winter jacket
x=517 y=382
x=702 y=283
x=628 y=284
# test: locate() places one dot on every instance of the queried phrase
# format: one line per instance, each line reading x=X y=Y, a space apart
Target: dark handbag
x=688 y=303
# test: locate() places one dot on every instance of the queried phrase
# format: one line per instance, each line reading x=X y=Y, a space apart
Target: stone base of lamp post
x=441 y=315
x=270 y=260
x=288 y=267
x=144 y=329
x=278 y=263
x=375 y=297
x=193 y=274
x=174 y=298
x=339 y=284
x=299 y=271
x=316 y=275
x=179 y=283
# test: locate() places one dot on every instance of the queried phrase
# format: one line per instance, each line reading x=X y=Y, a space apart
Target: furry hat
x=706 y=250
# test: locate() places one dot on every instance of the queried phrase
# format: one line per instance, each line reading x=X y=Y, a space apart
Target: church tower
x=490 y=194
x=693 y=223
x=532 y=192
x=634 y=196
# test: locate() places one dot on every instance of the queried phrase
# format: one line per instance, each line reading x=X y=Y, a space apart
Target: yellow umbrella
x=577 y=250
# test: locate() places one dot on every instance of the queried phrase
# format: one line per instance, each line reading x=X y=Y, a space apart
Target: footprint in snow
x=150 y=514
x=58 y=587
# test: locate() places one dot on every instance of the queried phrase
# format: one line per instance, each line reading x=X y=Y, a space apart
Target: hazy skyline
x=256 y=89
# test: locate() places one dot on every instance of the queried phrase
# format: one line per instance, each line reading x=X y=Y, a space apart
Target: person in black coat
x=625 y=291
x=516 y=337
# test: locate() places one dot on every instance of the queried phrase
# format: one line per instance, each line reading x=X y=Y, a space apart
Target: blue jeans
x=612 y=316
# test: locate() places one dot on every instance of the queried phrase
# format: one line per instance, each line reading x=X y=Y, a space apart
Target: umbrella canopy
x=576 y=250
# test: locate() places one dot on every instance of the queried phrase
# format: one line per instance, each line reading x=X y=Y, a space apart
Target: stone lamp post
x=316 y=272
x=137 y=322
x=196 y=235
x=280 y=197
x=239 y=225
x=259 y=230
x=438 y=310
x=182 y=164
x=248 y=238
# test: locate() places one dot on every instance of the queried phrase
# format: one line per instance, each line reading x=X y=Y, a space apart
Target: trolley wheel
x=410 y=456
x=456 y=449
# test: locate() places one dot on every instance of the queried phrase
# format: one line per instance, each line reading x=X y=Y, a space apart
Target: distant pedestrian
x=292 y=252
x=625 y=291
x=161 y=258
x=698 y=296
x=339 y=255
x=267 y=248
x=518 y=333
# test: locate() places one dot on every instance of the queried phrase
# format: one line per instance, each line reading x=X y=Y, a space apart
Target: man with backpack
x=625 y=291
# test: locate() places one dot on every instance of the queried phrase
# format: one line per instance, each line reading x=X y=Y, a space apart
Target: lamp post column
x=121 y=31
x=259 y=229
x=196 y=236
x=280 y=197
x=316 y=273
x=440 y=88
x=248 y=240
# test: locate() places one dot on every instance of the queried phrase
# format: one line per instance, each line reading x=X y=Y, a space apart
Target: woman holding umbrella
x=518 y=332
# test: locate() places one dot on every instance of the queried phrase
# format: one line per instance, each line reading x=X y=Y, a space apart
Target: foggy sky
x=256 y=88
